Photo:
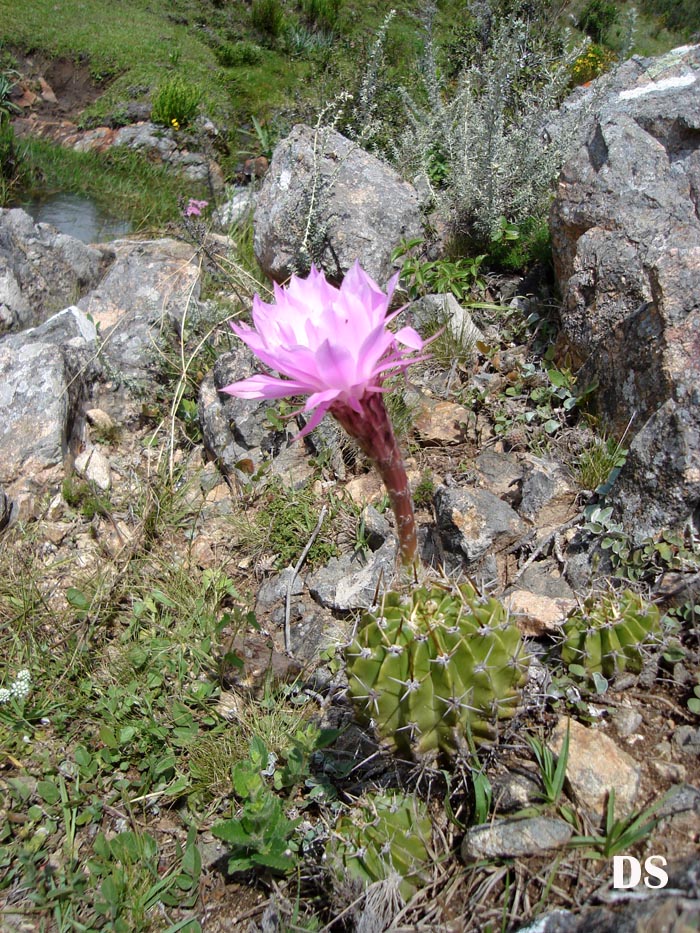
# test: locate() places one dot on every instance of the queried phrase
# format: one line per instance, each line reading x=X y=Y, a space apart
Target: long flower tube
x=334 y=345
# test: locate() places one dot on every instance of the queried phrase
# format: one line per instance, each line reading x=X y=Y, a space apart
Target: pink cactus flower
x=194 y=207
x=333 y=344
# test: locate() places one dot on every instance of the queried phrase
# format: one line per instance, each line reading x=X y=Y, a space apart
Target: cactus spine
x=386 y=833
x=434 y=670
x=607 y=637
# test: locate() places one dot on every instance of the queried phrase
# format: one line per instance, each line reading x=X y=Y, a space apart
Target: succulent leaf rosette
x=335 y=346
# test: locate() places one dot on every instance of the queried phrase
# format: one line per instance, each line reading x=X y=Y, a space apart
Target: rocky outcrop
x=151 y=287
x=42 y=270
x=42 y=382
x=626 y=241
x=104 y=350
x=325 y=200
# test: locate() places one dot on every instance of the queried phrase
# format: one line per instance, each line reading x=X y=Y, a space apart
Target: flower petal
x=265 y=387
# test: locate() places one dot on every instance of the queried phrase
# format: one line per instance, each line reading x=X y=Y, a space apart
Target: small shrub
x=592 y=63
x=175 y=103
x=597 y=17
x=493 y=161
x=267 y=18
x=521 y=246
x=237 y=54
x=322 y=14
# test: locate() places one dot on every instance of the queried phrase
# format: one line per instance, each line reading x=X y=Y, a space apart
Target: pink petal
x=336 y=366
x=410 y=338
x=265 y=387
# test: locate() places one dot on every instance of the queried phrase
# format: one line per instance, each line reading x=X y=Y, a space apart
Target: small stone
x=366 y=489
x=595 y=766
x=514 y=792
x=94 y=467
x=670 y=771
x=687 y=738
x=537 y=615
x=99 y=419
x=202 y=552
x=515 y=838
x=626 y=720
x=440 y=422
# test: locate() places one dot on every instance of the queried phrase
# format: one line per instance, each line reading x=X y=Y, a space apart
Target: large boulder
x=42 y=270
x=43 y=381
x=626 y=242
x=150 y=289
x=327 y=201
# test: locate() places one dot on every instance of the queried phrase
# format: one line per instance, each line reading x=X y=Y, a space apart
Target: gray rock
x=42 y=270
x=152 y=287
x=545 y=484
x=473 y=521
x=42 y=383
x=626 y=246
x=515 y=838
x=236 y=430
x=626 y=720
x=680 y=799
x=350 y=581
x=359 y=208
x=236 y=207
x=687 y=738
x=161 y=144
x=447 y=312
x=275 y=588
x=514 y=792
x=501 y=474
x=94 y=466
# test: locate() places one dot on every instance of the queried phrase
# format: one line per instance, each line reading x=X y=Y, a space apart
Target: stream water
x=77 y=216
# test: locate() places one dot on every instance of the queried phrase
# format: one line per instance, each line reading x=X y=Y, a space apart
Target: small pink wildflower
x=194 y=207
x=333 y=344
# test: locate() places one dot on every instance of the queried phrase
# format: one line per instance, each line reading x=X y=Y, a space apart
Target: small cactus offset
x=607 y=636
x=388 y=833
x=435 y=670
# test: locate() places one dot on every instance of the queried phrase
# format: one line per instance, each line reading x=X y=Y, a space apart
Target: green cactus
x=436 y=670
x=385 y=833
x=607 y=636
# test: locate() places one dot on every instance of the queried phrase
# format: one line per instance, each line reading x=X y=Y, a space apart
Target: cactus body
x=607 y=637
x=430 y=671
x=386 y=833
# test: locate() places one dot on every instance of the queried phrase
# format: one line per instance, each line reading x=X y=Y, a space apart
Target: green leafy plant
x=493 y=161
x=591 y=63
x=322 y=14
x=552 y=772
x=384 y=833
x=607 y=636
x=260 y=833
x=176 y=102
x=267 y=18
x=597 y=17
x=620 y=834
x=285 y=523
x=7 y=107
x=238 y=54
x=436 y=671
x=599 y=465
x=459 y=277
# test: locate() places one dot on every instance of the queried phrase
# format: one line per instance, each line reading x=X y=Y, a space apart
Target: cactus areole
x=437 y=672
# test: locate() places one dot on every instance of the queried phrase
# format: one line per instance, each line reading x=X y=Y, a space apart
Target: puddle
x=77 y=216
